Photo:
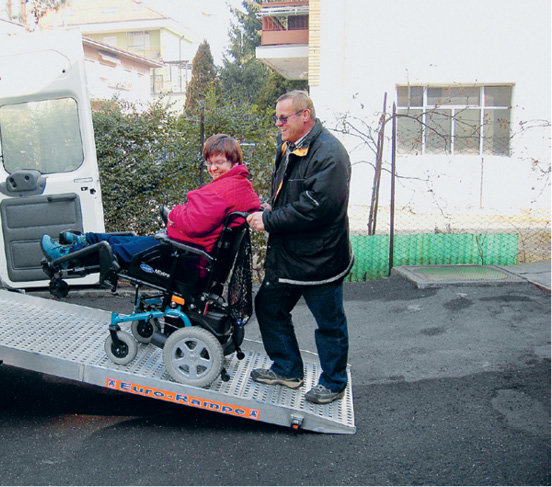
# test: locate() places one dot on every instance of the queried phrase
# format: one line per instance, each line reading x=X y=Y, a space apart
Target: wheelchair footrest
x=88 y=260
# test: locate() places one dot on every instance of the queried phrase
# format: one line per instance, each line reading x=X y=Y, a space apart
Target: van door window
x=42 y=135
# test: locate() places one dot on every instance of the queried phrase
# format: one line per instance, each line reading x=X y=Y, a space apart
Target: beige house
x=130 y=26
x=110 y=72
x=113 y=72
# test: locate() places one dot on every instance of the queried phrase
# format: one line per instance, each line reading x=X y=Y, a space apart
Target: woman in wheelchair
x=182 y=310
x=197 y=223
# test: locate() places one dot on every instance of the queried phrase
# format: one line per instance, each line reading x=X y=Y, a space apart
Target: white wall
x=127 y=81
x=370 y=46
x=105 y=82
x=174 y=47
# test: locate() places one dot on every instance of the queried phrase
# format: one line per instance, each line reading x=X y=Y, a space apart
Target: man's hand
x=255 y=221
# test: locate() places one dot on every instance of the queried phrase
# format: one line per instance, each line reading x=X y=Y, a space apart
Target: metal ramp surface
x=67 y=340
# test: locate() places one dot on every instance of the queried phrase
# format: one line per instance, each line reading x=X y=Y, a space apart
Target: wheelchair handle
x=233 y=215
x=164 y=213
x=243 y=214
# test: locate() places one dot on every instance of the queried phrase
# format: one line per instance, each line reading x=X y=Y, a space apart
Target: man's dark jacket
x=308 y=227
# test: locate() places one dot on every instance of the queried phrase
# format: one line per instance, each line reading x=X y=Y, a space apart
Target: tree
x=203 y=77
x=39 y=8
x=242 y=75
x=245 y=79
x=275 y=86
x=245 y=35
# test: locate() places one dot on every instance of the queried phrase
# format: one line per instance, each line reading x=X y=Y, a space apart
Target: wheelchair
x=176 y=308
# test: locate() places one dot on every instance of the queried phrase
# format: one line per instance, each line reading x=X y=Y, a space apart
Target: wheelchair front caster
x=224 y=375
x=58 y=288
x=122 y=352
x=143 y=330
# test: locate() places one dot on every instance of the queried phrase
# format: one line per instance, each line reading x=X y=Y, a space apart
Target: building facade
x=129 y=25
x=471 y=82
x=115 y=73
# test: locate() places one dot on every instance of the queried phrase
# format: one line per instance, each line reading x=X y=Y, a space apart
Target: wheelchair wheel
x=193 y=356
x=123 y=353
x=143 y=330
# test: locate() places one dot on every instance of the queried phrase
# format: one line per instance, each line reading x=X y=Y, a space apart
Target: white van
x=49 y=180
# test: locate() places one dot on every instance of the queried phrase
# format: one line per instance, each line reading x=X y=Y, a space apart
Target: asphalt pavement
x=451 y=386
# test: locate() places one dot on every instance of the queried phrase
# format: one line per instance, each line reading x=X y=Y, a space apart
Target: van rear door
x=49 y=180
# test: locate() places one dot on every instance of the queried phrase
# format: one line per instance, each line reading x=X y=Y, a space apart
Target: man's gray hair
x=301 y=101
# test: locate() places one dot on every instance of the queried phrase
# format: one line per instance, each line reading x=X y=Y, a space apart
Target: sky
x=203 y=19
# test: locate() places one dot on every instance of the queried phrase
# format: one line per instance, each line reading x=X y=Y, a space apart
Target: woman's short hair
x=223 y=144
x=301 y=101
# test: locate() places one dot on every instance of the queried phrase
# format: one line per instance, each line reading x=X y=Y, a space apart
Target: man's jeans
x=273 y=305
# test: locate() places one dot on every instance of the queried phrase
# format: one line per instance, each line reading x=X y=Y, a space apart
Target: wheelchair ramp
x=67 y=340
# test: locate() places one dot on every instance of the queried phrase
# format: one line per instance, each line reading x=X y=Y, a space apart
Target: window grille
x=454 y=119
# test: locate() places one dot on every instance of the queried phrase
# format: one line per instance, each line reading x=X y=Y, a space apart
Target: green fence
x=372 y=251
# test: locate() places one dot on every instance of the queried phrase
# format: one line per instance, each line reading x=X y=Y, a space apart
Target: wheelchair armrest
x=162 y=236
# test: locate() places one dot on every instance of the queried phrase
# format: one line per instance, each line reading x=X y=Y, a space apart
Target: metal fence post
x=392 y=202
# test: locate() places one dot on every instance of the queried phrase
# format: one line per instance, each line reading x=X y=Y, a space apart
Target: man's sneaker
x=322 y=395
x=268 y=376
x=72 y=238
x=51 y=249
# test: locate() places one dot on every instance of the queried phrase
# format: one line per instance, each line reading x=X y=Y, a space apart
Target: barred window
x=139 y=43
x=454 y=119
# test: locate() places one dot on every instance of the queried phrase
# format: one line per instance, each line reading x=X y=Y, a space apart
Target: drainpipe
x=180 y=64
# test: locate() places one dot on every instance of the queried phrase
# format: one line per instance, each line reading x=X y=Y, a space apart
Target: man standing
x=308 y=252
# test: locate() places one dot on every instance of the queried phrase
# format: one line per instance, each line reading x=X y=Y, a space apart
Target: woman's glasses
x=219 y=163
